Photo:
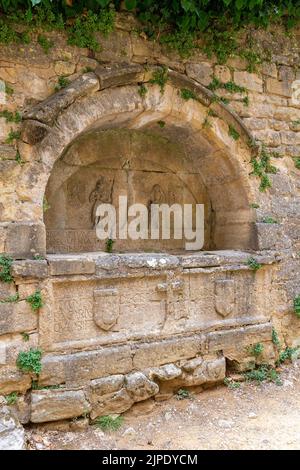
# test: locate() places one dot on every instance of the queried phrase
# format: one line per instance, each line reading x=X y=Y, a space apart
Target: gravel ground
x=265 y=416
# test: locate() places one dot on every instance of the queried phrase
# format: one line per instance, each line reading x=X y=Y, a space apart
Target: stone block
x=140 y=387
x=278 y=88
x=207 y=372
x=12 y=434
x=269 y=69
x=167 y=372
x=25 y=239
x=7 y=152
x=106 y=385
x=290 y=138
x=48 y=110
x=159 y=353
x=63 y=67
x=202 y=72
x=271 y=236
x=69 y=266
x=54 y=405
x=17 y=317
x=228 y=340
x=22 y=409
x=87 y=365
x=113 y=403
x=250 y=81
x=13 y=380
x=37 y=269
x=33 y=132
x=119 y=74
x=222 y=73
x=268 y=137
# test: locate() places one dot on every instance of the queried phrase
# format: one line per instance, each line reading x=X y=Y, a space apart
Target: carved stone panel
x=106 y=308
x=224 y=296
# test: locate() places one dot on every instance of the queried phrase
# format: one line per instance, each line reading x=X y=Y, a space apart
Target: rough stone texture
x=25 y=239
x=37 y=269
x=140 y=387
x=7 y=152
x=167 y=372
x=17 y=317
x=205 y=372
x=112 y=403
x=47 y=112
x=12 y=434
x=53 y=405
x=59 y=267
x=13 y=380
x=98 y=138
x=118 y=74
x=202 y=73
x=248 y=80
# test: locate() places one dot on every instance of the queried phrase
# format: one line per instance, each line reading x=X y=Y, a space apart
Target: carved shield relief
x=224 y=296
x=106 y=307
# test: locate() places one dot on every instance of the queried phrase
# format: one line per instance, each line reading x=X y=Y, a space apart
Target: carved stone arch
x=111 y=98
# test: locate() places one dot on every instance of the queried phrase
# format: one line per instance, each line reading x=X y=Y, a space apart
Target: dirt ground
x=265 y=416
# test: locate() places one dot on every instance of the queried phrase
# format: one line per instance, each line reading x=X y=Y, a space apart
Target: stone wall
x=101 y=350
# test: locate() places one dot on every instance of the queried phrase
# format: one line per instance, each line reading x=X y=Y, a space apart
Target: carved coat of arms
x=106 y=308
x=224 y=296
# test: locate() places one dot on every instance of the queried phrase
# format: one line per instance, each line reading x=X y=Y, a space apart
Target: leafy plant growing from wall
x=12 y=136
x=11 y=117
x=275 y=339
x=5 y=268
x=12 y=398
x=30 y=361
x=35 y=300
x=62 y=82
x=256 y=350
x=187 y=94
x=287 y=355
x=160 y=78
x=297 y=162
x=297 y=306
x=253 y=264
x=109 y=245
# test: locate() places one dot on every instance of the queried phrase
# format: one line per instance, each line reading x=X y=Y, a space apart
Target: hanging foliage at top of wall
x=175 y=23
x=189 y=15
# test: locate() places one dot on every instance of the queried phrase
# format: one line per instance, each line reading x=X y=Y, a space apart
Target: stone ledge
x=37 y=269
x=71 y=266
x=119 y=74
x=77 y=368
x=228 y=340
x=47 y=111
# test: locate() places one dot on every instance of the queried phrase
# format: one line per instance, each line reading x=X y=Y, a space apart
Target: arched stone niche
x=100 y=136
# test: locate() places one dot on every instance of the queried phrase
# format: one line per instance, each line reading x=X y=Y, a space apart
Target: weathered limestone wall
x=116 y=329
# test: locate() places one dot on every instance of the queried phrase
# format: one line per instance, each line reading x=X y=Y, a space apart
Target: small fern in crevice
x=275 y=339
x=30 y=361
x=233 y=133
x=297 y=306
x=187 y=94
x=35 y=300
x=160 y=78
x=256 y=350
x=287 y=355
x=253 y=264
x=5 y=268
